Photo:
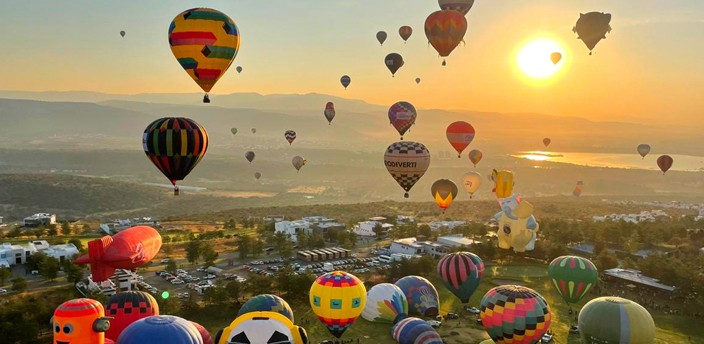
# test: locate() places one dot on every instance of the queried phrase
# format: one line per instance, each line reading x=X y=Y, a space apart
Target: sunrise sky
x=649 y=65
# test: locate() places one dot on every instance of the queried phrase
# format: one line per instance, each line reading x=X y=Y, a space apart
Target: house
x=12 y=254
x=436 y=225
x=406 y=246
x=292 y=228
x=456 y=240
x=323 y=223
x=403 y=219
x=62 y=252
x=366 y=228
x=15 y=254
x=39 y=219
x=273 y=218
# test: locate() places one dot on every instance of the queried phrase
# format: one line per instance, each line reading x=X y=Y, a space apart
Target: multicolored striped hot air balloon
x=402 y=116
x=175 y=145
x=338 y=298
x=422 y=296
x=386 y=303
x=460 y=134
x=127 y=307
x=445 y=30
x=475 y=156
x=665 y=163
x=444 y=191
x=267 y=303
x=461 y=272
x=572 y=277
x=207 y=338
x=290 y=136
x=611 y=319
x=407 y=162
x=515 y=314
x=415 y=331
x=205 y=42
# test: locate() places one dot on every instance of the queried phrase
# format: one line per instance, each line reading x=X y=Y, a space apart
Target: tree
x=606 y=260
x=257 y=247
x=49 y=268
x=168 y=249
x=86 y=228
x=4 y=275
x=65 y=228
x=234 y=289
x=425 y=231
x=52 y=231
x=193 y=251
x=189 y=305
x=379 y=231
x=78 y=243
x=209 y=255
x=35 y=261
x=74 y=273
x=170 y=305
x=19 y=283
x=244 y=246
x=171 y=266
x=258 y=284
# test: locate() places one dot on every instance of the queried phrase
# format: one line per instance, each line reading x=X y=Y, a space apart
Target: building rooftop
x=458 y=240
x=408 y=242
x=377 y=218
x=635 y=277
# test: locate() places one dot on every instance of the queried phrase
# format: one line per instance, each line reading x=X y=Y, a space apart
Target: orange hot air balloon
x=445 y=30
x=555 y=57
x=460 y=134
x=444 y=191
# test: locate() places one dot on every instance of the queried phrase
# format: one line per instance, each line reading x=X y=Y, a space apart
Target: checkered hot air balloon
x=407 y=162
x=338 y=298
x=402 y=116
x=127 y=307
x=513 y=314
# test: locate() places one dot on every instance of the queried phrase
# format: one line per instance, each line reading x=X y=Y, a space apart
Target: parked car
x=3 y=291
x=177 y=281
x=202 y=269
x=181 y=271
x=209 y=276
x=434 y=323
x=165 y=261
x=473 y=310
x=546 y=338
x=452 y=316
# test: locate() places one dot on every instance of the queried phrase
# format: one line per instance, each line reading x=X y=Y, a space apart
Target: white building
x=643 y=216
x=456 y=240
x=436 y=225
x=366 y=228
x=39 y=219
x=16 y=254
x=62 y=252
x=12 y=254
x=436 y=249
x=273 y=218
x=292 y=228
x=406 y=246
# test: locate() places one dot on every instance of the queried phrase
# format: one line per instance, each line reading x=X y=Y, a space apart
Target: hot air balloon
x=415 y=331
x=445 y=29
x=239 y=69
x=262 y=327
x=503 y=183
x=417 y=80
x=329 y=112
x=175 y=145
x=546 y=142
x=393 y=62
x=249 y=156
x=207 y=338
x=555 y=57
x=122 y=33
x=422 y=296
x=386 y=303
x=254 y=130
x=161 y=329
x=517 y=225
x=298 y=162
x=405 y=32
x=345 y=81
x=407 y=162
x=460 y=134
x=515 y=314
x=664 y=162
x=572 y=277
x=205 y=42
x=643 y=149
x=267 y=303
x=471 y=182
x=381 y=37
x=257 y=175
x=444 y=191
x=461 y=272
x=592 y=27
x=290 y=135
x=462 y=6
x=475 y=156
x=233 y=131
x=337 y=298
x=402 y=116
x=128 y=249
x=613 y=319
x=578 y=189
x=127 y=307
x=79 y=321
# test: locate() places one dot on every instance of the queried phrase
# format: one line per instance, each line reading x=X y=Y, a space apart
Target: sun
x=536 y=58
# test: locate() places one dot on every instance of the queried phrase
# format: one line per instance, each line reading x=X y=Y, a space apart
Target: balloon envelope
x=290 y=135
x=407 y=162
x=475 y=156
x=422 y=296
x=555 y=57
x=257 y=175
x=615 y=320
x=254 y=130
x=345 y=81
x=262 y=327
x=402 y=116
x=444 y=191
x=643 y=149
x=329 y=112
x=381 y=37
x=127 y=307
x=393 y=62
x=239 y=69
x=161 y=329
x=386 y=303
x=249 y=156
x=267 y=303
x=122 y=33
x=471 y=182
x=462 y=6
x=298 y=162
x=503 y=183
x=592 y=27
x=460 y=134
x=405 y=32
x=415 y=331
x=515 y=314
x=417 y=80
x=572 y=277
x=207 y=338
x=337 y=298
x=445 y=29
x=233 y=131
x=664 y=162
x=461 y=272
x=75 y=321
x=546 y=142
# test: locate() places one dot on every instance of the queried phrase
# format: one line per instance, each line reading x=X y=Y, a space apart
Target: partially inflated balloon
x=664 y=162
x=407 y=162
x=546 y=142
x=460 y=134
x=122 y=33
x=415 y=331
x=402 y=116
x=175 y=145
x=205 y=42
x=329 y=112
x=290 y=135
x=233 y=131
x=462 y=6
x=475 y=156
x=381 y=37
x=386 y=303
x=249 y=156
x=515 y=314
x=127 y=307
x=422 y=296
x=578 y=189
x=393 y=62
x=555 y=57
x=405 y=32
x=161 y=329
x=613 y=319
x=345 y=81
x=239 y=69
x=592 y=28
x=444 y=191
x=643 y=149
x=445 y=30
x=461 y=272
x=337 y=298
x=267 y=303
x=572 y=277
x=471 y=182
x=298 y=162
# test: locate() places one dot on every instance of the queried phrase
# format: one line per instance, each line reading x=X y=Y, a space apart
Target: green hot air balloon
x=611 y=319
x=572 y=277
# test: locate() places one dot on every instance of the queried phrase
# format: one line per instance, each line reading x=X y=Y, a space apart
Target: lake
x=615 y=160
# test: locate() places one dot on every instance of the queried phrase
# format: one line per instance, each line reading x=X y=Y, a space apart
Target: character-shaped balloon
x=80 y=321
x=262 y=327
x=503 y=183
x=517 y=225
x=267 y=303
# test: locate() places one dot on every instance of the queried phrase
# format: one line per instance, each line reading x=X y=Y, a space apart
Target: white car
x=473 y=310
x=177 y=281
x=434 y=323
x=3 y=291
x=547 y=338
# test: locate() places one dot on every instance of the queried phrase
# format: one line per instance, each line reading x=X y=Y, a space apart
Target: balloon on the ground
x=329 y=112
x=345 y=80
x=503 y=183
x=444 y=191
x=290 y=136
x=405 y=32
x=386 y=303
x=381 y=37
x=445 y=30
x=267 y=303
x=205 y=42
x=249 y=156
x=461 y=272
x=415 y=331
x=79 y=321
x=161 y=329
x=664 y=162
x=407 y=162
x=175 y=145
x=338 y=298
x=475 y=156
x=207 y=338
x=402 y=116
x=555 y=57
x=262 y=327
x=471 y=182
x=515 y=314
x=592 y=27
x=128 y=249
x=643 y=149
x=546 y=142
x=393 y=62
x=613 y=319
x=572 y=277
x=460 y=134
x=298 y=162
x=462 y=6
x=127 y=307
x=422 y=296
x=517 y=225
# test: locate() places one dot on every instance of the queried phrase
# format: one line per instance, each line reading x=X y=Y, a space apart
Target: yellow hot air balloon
x=205 y=42
x=503 y=183
x=444 y=191
x=338 y=299
x=471 y=182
